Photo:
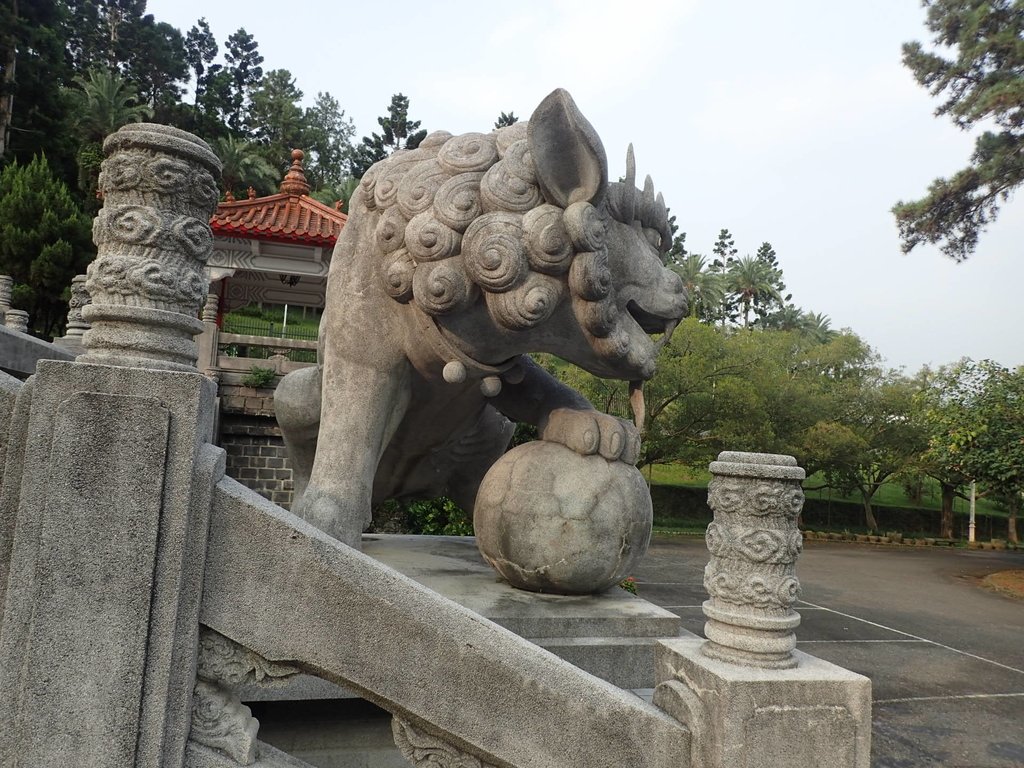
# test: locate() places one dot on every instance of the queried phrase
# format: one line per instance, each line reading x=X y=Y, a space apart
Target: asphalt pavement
x=945 y=655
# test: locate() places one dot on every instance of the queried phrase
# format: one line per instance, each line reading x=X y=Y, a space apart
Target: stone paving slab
x=919 y=669
x=817 y=624
x=957 y=733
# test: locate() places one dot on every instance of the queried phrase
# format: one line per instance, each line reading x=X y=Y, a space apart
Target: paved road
x=945 y=656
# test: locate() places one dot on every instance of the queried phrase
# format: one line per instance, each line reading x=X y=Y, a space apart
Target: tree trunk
x=869 y=513
x=7 y=99
x=1011 y=522
x=946 y=524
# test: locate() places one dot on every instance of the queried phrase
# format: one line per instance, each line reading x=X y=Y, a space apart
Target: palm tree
x=705 y=289
x=243 y=165
x=106 y=101
x=749 y=279
x=337 y=193
x=818 y=327
x=789 y=318
x=102 y=102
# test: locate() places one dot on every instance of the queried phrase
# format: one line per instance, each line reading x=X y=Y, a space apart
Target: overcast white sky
x=791 y=121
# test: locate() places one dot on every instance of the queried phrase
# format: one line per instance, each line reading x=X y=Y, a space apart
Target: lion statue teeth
x=459 y=258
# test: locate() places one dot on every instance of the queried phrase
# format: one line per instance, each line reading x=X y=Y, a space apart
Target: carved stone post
x=208 y=340
x=210 y=308
x=79 y=300
x=112 y=484
x=754 y=543
x=76 y=325
x=147 y=282
x=748 y=696
x=16 y=320
x=6 y=286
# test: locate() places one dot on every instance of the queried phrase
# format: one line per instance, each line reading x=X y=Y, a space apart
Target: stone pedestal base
x=815 y=714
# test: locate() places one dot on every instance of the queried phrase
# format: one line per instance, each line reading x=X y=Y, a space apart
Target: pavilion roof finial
x=295 y=180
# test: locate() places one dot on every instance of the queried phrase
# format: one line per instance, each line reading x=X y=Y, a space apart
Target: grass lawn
x=269 y=323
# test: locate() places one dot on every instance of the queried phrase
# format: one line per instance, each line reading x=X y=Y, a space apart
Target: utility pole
x=970 y=526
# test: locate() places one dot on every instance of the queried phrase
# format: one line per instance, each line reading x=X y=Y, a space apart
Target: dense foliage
x=977 y=67
x=74 y=71
x=44 y=240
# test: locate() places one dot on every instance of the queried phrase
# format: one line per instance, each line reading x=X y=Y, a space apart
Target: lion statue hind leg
x=297 y=406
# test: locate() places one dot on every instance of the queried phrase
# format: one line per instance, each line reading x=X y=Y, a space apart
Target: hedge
x=687 y=505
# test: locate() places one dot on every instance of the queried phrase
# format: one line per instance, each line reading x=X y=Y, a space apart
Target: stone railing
x=221 y=352
x=140 y=586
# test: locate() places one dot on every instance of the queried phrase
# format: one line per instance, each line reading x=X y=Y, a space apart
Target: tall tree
x=943 y=407
x=215 y=104
x=200 y=51
x=677 y=253
x=105 y=102
x=818 y=326
x=212 y=96
x=397 y=132
x=158 y=68
x=974 y=413
x=327 y=139
x=34 y=116
x=505 y=120
x=45 y=240
x=10 y=23
x=870 y=440
x=244 y=166
x=767 y=303
x=996 y=453
x=725 y=252
x=981 y=82
x=243 y=66
x=750 y=281
x=110 y=34
x=705 y=289
x=724 y=249
x=276 y=117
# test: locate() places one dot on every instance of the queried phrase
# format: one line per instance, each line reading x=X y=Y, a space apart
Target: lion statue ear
x=568 y=155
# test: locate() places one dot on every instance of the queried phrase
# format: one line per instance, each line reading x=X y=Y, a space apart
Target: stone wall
x=255 y=449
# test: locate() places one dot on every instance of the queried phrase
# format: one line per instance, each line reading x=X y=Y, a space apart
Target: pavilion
x=275 y=249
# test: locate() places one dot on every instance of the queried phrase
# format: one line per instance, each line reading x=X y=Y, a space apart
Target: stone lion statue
x=458 y=258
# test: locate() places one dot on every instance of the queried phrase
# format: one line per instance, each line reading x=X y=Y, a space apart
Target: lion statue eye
x=653 y=237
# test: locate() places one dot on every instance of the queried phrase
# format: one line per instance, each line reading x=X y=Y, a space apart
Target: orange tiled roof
x=290 y=216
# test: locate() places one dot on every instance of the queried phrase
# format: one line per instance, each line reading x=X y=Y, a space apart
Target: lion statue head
x=523 y=221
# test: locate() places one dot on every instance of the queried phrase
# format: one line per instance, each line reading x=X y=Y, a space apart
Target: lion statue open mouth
x=458 y=258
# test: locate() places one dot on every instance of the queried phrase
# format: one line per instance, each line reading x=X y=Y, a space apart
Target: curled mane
x=463 y=217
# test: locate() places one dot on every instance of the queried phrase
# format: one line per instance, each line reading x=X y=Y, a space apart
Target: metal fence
x=254 y=327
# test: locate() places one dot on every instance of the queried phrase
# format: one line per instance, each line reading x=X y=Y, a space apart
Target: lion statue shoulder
x=460 y=257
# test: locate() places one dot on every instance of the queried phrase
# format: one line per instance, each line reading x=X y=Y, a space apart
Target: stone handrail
x=264 y=341
x=455 y=681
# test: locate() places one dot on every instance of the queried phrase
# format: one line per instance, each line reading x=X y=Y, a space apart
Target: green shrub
x=249 y=310
x=259 y=377
x=438 y=517
x=430 y=517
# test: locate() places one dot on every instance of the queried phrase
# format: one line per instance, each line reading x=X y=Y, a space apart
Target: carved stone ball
x=550 y=520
